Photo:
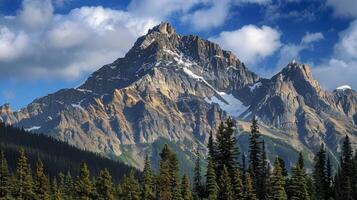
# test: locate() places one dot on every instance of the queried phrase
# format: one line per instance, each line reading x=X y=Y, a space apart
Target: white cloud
x=161 y=8
x=35 y=13
x=312 y=37
x=212 y=16
x=341 y=68
x=67 y=45
x=344 y=8
x=12 y=45
x=250 y=43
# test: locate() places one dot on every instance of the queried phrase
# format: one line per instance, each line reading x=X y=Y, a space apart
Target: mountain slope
x=179 y=88
x=57 y=156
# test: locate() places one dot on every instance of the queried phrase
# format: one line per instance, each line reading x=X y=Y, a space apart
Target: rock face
x=178 y=88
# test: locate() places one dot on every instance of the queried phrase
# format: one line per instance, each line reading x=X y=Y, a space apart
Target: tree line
x=228 y=176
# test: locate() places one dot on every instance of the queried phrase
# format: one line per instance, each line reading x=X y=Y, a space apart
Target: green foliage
x=211 y=183
x=83 y=185
x=5 y=184
x=277 y=183
x=186 y=193
x=104 y=186
x=24 y=182
x=320 y=175
x=225 y=185
x=147 y=181
x=42 y=184
x=130 y=188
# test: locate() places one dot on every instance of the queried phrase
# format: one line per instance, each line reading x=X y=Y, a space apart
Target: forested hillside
x=57 y=156
x=227 y=176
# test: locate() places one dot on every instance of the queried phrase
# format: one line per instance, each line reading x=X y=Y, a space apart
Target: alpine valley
x=175 y=89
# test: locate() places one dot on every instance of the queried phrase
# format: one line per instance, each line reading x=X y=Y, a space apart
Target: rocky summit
x=175 y=89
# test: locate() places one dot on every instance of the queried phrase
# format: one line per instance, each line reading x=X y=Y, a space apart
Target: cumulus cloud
x=212 y=16
x=67 y=45
x=312 y=37
x=35 y=13
x=12 y=45
x=250 y=43
x=341 y=68
x=344 y=8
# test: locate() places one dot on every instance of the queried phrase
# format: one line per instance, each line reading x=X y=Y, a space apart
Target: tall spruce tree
x=130 y=188
x=225 y=185
x=186 y=193
x=347 y=169
x=166 y=180
x=237 y=185
x=104 y=186
x=84 y=186
x=211 y=146
x=24 y=182
x=56 y=193
x=175 y=177
x=42 y=184
x=277 y=183
x=147 y=181
x=262 y=193
x=211 y=183
x=320 y=175
x=5 y=181
x=298 y=186
x=226 y=150
x=197 y=184
x=249 y=192
x=255 y=152
x=301 y=162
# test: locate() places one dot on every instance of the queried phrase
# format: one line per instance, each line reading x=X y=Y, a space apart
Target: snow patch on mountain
x=33 y=128
x=232 y=105
x=255 y=86
x=344 y=87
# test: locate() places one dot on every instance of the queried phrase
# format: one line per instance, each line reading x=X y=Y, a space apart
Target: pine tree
x=227 y=152
x=42 y=184
x=83 y=186
x=211 y=183
x=211 y=146
x=130 y=188
x=237 y=185
x=175 y=177
x=255 y=152
x=197 y=184
x=298 y=185
x=24 y=182
x=225 y=187
x=301 y=162
x=277 y=183
x=5 y=187
x=147 y=181
x=185 y=189
x=329 y=179
x=56 y=192
x=347 y=169
x=164 y=182
x=284 y=171
x=104 y=186
x=249 y=192
x=320 y=175
x=68 y=186
x=262 y=193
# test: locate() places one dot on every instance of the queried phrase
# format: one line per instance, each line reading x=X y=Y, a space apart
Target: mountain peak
x=344 y=87
x=294 y=68
x=163 y=27
x=5 y=108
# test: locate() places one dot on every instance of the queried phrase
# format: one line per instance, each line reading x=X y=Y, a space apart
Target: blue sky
x=48 y=45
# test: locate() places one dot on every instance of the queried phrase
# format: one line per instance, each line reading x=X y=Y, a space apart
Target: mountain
x=56 y=155
x=176 y=89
